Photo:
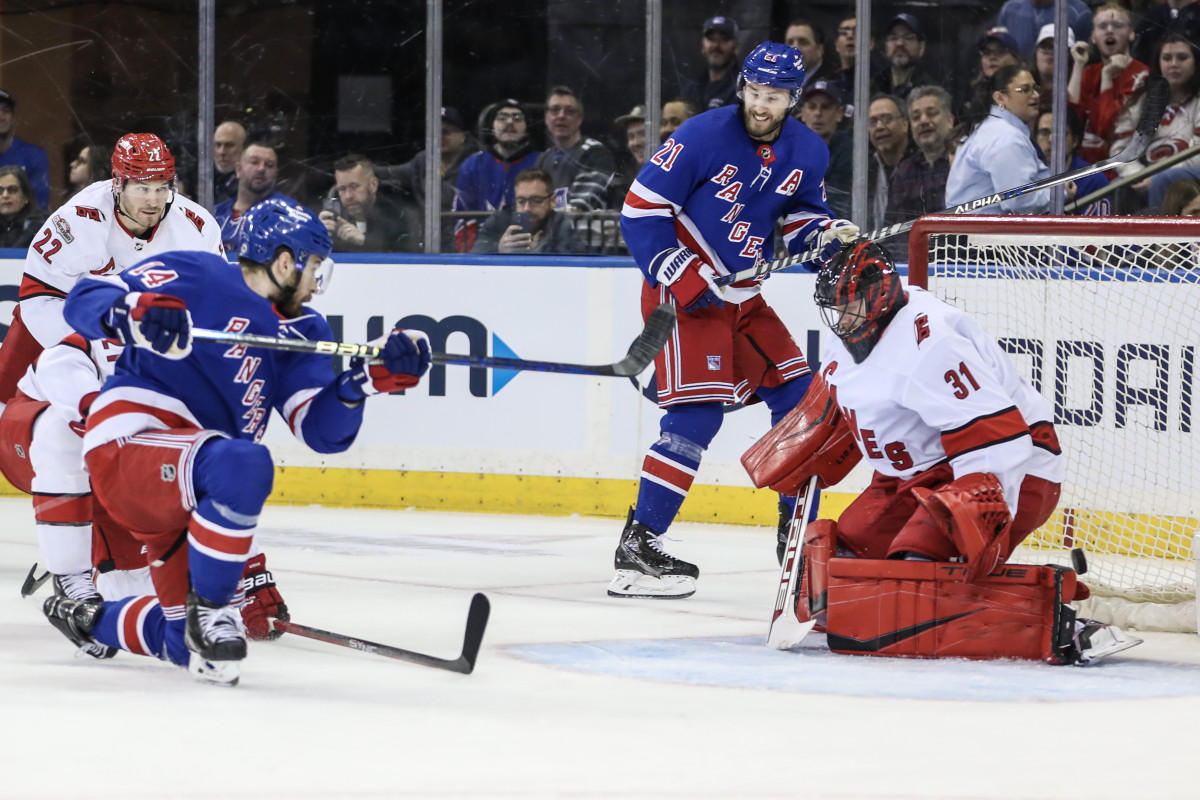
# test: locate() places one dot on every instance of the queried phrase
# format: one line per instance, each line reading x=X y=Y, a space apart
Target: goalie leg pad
x=16 y=432
x=820 y=541
x=925 y=610
x=812 y=439
x=972 y=511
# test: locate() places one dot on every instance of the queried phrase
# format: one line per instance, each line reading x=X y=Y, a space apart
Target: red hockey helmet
x=142 y=157
x=859 y=292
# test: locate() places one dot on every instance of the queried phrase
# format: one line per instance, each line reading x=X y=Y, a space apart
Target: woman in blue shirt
x=999 y=153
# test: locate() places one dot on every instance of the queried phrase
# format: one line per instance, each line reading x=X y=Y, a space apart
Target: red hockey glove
x=405 y=358
x=160 y=322
x=262 y=599
x=689 y=279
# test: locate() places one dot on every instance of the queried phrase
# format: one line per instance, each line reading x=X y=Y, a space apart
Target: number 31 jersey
x=936 y=388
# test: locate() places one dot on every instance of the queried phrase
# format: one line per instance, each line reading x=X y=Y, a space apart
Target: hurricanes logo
x=21 y=452
x=168 y=473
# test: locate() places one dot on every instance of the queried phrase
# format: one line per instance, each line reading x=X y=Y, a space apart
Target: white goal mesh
x=1102 y=315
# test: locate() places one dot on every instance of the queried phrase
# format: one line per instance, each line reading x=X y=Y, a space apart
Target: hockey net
x=1102 y=315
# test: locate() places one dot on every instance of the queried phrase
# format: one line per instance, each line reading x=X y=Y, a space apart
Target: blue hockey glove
x=689 y=279
x=160 y=322
x=405 y=358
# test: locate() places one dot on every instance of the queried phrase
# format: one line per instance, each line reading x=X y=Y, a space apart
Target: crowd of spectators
x=935 y=140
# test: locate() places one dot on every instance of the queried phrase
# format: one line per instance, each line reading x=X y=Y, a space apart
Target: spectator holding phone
x=532 y=225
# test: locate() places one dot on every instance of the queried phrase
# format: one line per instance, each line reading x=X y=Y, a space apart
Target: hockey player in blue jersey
x=705 y=205
x=172 y=442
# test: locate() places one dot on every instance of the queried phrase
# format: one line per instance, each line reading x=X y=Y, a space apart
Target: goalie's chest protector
x=925 y=376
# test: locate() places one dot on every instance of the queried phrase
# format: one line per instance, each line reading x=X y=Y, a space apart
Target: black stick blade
x=477 y=620
x=1158 y=91
x=649 y=342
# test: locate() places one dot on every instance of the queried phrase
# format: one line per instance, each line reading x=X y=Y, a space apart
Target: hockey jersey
x=937 y=388
x=712 y=188
x=65 y=373
x=1178 y=130
x=221 y=387
x=86 y=237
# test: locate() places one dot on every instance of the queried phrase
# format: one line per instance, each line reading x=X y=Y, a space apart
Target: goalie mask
x=858 y=292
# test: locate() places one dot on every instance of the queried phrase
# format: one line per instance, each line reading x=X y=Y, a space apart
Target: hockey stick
x=1150 y=170
x=785 y=629
x=641 y=352
x=32 y=584
x=1157 y=93
x=477 y=619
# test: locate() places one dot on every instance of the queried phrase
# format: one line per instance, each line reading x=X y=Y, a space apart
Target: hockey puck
x=1078 y=561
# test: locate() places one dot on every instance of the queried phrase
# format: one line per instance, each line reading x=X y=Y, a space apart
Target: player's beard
x=765 y=131
x=288 y=300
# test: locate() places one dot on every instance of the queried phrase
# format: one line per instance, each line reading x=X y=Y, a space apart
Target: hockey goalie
x=966 y=465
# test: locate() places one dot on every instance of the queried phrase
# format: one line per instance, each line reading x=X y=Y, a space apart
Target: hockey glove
x=160 y=322
x=832 y=236
x=689 y=279
x=262 y=599
x=405 y=358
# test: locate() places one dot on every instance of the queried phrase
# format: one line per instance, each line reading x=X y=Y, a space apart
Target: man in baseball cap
x=20 y=153
x=904 y=47
x=822 y=107
x=717 y=85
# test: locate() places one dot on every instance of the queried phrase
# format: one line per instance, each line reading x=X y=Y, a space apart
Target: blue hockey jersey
x=712 y=188
x=218 y=386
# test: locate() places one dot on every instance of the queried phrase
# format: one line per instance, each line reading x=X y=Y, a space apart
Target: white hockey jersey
x=65 y=373
x=86 y=237
x=936 y=388
x=1178 y=130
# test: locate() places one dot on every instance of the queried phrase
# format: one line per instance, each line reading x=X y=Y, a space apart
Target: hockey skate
x=1095 y=640
x=74 y=619
x=77 y=586
x=785 y=528
x=644 y=569
x=216 y=639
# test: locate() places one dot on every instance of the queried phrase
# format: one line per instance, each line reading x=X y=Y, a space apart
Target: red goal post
x=1102 y=315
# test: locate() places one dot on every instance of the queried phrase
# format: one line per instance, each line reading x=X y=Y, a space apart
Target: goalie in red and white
x=966 y=465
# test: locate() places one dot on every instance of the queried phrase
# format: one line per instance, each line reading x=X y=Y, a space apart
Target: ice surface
x=575 y=694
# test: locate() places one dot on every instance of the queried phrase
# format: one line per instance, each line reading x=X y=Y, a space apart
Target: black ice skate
x=1095 y=640
x=77 y=586
x=75 y=618
x=785 y=529
x=217 y=640
x=644 y=569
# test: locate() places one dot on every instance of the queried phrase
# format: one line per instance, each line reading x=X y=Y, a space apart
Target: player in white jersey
x=103 y=230
x=967 y=464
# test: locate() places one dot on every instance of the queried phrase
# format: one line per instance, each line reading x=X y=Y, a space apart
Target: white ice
x=574 y=695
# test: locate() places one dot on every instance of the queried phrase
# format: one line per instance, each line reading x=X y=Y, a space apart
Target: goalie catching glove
x=972 y=512
x=160 y=322
x=405 y=356
x=263 y=600
x=690 y=280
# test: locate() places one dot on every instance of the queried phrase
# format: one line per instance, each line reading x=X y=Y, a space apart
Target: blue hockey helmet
x=276 y=223
x=773 y=64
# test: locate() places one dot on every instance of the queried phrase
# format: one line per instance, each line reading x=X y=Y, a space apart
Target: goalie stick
x=477 y=618
x=641 y=352
x=1157 y=92
x=785 y=629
